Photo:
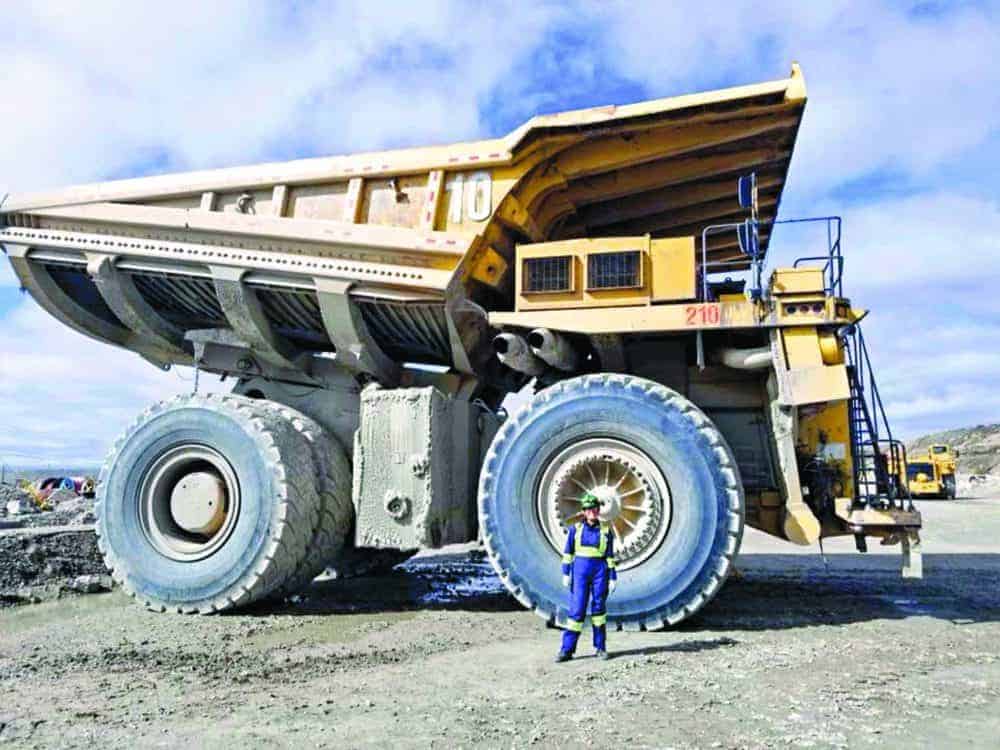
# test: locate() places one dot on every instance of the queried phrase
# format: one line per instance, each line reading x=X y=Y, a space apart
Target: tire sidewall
x=150 y=574
x=642 y=414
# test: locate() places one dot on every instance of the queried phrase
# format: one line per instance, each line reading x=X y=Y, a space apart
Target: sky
x=901 y=137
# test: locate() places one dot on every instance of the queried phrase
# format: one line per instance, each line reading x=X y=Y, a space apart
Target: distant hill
x=978 y=447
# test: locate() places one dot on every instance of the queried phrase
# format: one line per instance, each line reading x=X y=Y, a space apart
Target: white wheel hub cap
x=635 y=499
x=189 y=501
x=198 y=502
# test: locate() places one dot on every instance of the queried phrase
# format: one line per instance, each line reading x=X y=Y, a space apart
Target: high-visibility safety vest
x=585 y=551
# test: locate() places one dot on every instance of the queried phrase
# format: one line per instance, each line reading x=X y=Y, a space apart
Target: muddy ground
x=792 y=653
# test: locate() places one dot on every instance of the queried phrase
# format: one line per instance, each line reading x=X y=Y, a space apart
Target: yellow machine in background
x=933 y=474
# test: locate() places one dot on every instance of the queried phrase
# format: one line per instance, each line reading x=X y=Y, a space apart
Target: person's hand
x=566 y=581
x=612 y=586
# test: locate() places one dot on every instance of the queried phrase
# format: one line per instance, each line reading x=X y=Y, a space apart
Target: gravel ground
x=794 y=652
x=36 y=564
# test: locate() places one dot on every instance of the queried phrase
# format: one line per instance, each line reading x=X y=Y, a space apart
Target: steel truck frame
x=375 y=310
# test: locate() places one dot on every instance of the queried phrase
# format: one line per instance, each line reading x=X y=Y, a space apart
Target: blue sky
x=901 y=137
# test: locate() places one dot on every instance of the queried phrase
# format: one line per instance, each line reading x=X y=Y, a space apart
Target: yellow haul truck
x=374 y=311
x=933 y=474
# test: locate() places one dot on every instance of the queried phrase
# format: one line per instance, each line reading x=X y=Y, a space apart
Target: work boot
x=563 y=656
x=602 y=655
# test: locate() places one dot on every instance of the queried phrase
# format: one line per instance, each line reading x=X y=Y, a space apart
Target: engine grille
x=614 y=270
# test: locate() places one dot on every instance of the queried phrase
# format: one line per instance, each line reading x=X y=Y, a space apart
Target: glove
x=612 y=586
x=566 y=581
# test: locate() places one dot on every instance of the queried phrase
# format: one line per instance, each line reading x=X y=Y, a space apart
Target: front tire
x=950 y=490
x=653 y=443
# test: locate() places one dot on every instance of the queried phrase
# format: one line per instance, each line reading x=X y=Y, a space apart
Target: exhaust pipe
x=745 y=359
x=514 y=352
x=554 y=348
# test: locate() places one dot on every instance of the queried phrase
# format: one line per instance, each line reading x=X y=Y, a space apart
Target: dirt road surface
x=792 y=653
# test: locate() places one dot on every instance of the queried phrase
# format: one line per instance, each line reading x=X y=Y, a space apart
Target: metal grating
x=614 y=270
x=409 y=332
x=185 y=301
x=548 y=274
x=295 y=314
x=79 y=287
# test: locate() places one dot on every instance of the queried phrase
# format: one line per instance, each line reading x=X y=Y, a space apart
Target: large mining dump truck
x=374 y=311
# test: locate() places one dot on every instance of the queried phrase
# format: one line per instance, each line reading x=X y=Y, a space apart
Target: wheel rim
x=635 y=498
x=189 y=502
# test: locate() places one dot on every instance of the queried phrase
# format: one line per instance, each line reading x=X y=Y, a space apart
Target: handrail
x=898 y=457
x=876 y=420
x=833 y=269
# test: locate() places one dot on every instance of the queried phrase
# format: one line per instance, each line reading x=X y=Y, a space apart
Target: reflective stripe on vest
x=586 y=551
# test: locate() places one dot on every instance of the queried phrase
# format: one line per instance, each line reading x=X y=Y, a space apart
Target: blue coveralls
x=589 y=557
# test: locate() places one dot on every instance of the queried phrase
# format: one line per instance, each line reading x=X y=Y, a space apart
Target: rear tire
x=336 y=510
x=267 y=477
x=663 y=435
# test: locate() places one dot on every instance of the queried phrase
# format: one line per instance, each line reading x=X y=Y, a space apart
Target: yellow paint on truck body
x=666 y=272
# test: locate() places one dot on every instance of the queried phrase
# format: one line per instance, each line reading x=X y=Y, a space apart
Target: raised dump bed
x=385 y=251
x=376 y=309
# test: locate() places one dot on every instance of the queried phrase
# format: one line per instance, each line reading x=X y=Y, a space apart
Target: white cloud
x=7 y=276
x=939 y=245
x=65 y=397
x=107 y=88
x=889 y=88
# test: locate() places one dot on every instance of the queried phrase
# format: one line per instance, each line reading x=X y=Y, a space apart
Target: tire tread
x=294 y=515
x=735 y=509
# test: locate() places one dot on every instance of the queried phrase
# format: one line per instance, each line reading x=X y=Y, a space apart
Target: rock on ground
x=50 y=559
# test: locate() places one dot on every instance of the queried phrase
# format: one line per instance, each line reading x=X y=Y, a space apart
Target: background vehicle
x=933 y=474
x=945 y=459
x=376 y=310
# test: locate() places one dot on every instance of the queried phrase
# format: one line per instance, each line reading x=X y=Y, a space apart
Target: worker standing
x=588 y=567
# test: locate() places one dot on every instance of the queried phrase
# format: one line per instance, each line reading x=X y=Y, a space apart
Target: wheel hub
x=635 y=500
x=189 y=501
x=198 y=502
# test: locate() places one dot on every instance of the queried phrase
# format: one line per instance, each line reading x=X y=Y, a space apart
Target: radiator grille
x=548 y=275
x=614 y=270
